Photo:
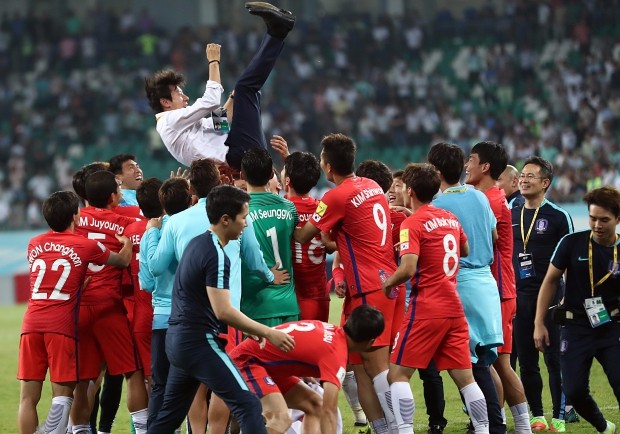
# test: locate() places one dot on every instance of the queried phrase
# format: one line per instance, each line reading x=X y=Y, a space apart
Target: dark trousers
x=246 y=130
x=433 y=395
x=110 y=399
x=196 y=358
x=580 y=345
x=528 y=357
x=482 y=375
x=160 y=367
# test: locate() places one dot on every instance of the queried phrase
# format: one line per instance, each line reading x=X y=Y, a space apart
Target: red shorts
x=393 y=312
x=40 y=351
x=313 y=309
x=142 y=319
x=143 y=347
x=233 y=338
x=444 y=340
x=262 y=383
x=105 y=336
x=129 y=304
x=509 y=310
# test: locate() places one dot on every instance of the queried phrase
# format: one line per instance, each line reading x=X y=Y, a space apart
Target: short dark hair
x=157 y=86
x=607 y=197
x=225 y=200
x=79 y=178
x=174 y=195
x=203 y=176
x=423 y=179
x=546 y=168
x=99 y=186
x=397 y=174
x=303 y=170
x=449 y=159
x=339 y=152
x=116 y=162
x=148 y=198
x=377 y=171
x=59 y=209
x=494 y=154
x=257 y=167
x=364 y=323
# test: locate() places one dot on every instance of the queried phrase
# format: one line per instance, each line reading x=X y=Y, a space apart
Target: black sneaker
x=435 y=429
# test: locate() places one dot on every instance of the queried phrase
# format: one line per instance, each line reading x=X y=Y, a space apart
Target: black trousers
x=528 y=357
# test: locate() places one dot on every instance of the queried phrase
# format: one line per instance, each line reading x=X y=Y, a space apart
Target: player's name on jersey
x=360 y=197
x=135 y=239
x=281 y=214
x=55 y=247
x=328 y=336
x=440 y=222
x=101 y=224
x=304 y=217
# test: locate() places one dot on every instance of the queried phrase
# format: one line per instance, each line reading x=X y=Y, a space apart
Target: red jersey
x=358 y=215
x=397 y=219
x=320 y=351
x=142 y=298
x=309 y=258
x=435 y=236
x=502 y=267
x=102 y=225
x=132 y=211
x=58 y=263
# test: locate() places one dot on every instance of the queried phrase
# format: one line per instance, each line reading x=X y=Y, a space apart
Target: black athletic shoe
x=279 y=21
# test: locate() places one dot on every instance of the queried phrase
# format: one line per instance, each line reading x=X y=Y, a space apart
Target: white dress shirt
x=188 y=134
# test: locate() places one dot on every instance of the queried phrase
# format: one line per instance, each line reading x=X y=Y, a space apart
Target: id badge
x=220 y=122
x=526 y=266
x=596 y=312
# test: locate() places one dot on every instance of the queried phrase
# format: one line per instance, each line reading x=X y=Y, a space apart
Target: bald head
x=509 y=180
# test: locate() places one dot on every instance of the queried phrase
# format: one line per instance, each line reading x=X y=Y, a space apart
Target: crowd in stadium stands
x=540 y=77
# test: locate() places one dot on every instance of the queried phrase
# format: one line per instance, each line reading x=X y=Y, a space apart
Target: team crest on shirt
x=541 y=225
x=269 y=381
x=614 y=268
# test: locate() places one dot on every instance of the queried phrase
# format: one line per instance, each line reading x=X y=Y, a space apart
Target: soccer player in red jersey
x=301 y=173
x=58 y=262
x=103 y=327
x=321 y=351
x=485 y=165
x=356 y=212
x=431 y=242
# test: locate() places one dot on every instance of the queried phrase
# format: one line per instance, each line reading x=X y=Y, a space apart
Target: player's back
x=103 y=225
x=357 y=211
x=274 y=220
x=472 y=209
x=309 y=258
x=502 y=267
x=320 y=351
x=435 y=236
x=58 y=264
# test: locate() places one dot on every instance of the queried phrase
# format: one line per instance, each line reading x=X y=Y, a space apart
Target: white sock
x=139 y=418
x=503 y=413
x=522 y=418
x=58 y=416
x=349 y=387
x=102 y=432
x=379 y=426
x=382 y=389
x=403 y=406
x=81 y=429
x=476 y=407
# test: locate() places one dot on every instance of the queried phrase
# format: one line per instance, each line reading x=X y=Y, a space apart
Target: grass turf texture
x=10 y=325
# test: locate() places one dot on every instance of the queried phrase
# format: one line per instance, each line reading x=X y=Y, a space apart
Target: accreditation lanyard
x=591 y=266
x=524 y=237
